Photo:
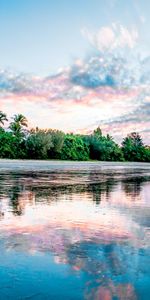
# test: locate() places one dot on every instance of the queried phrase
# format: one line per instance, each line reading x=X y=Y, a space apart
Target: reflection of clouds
x=121 y=291
x=76 y=212
x=33 y=198
x=93 y=225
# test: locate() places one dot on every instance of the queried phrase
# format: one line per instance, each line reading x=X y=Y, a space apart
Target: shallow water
x=74 y=230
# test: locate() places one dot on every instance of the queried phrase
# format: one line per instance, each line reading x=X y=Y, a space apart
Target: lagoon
x=74 y=230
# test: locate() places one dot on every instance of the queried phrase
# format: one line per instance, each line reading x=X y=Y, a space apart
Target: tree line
x=17 y=141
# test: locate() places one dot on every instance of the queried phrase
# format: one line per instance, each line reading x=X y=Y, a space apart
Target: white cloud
x=142 y=19
x=110 y=38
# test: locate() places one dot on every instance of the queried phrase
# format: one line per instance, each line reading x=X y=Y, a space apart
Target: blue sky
x=43 y=35
x=99 y=52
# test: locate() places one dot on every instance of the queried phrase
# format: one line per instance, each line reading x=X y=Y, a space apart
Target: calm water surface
x=74 y=231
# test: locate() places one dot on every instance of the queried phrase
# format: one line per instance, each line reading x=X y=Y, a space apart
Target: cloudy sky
x=76 y=65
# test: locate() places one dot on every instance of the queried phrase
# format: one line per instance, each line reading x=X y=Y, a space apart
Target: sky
x=76 y=65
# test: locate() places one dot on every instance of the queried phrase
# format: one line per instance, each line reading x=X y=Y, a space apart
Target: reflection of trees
x=103 y=189
x=53 y=186
x=17 y=209
x=14 y=188
x=1 y=215
x=1 y=197
x=69 y=183
x=95 y=191
x=3 y=186
x=133 y=186
x=109 y=271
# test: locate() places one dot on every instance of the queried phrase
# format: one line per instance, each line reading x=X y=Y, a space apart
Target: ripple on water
x=81 y=227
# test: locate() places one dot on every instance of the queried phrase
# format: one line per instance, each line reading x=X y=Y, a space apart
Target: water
x=74 y=230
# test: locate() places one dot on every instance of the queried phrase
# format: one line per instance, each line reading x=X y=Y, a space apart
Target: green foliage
x=3 y=118
x=18 y=142
x=103 y=148
x=146 y=154
x=57 y=138
x=18 y=130
x=74 y=148
x=38 y=143
x=97 y=132
x=18 y=125
x=7 y=142
x=133 y=148
x=10 y=146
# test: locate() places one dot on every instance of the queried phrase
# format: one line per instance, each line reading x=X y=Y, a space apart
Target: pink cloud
x=106 y=90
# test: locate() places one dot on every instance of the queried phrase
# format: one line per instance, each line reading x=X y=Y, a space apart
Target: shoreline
x=50 y=165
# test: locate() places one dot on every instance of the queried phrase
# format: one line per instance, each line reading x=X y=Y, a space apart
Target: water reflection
x=94 y=223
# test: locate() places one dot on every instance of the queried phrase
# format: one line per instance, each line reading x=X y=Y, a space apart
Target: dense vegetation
x=17 y=141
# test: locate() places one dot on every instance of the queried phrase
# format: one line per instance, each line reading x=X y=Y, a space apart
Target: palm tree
x=18 y=124
x=3 y=118
x=97 y=132
x=20 y=119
